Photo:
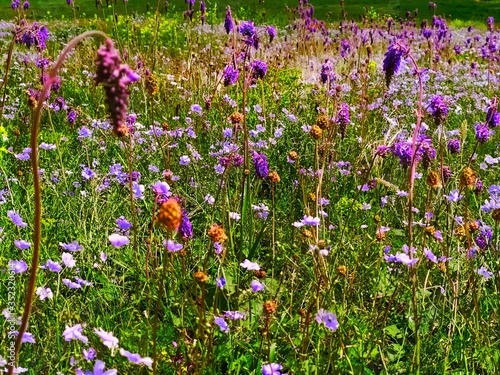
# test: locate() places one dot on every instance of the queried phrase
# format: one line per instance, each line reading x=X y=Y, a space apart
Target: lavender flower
x=454 y=146
x=250 y=266
x=328 y=319
x=185 y=230
x=117 y=240
x=136 y=358
x=392 y=61
x=343 y=119
x=271 y=32
x=89 y=354
x=257 y=286
x=43 y=293
x=482 y=132
x=230 y=75
x=493 y=116
x=272 y=369
x=259 y=69
x=16 y=219
x=247 y=29
x=228 y=22
x=34 y=35
x=222 y=324
x=107 y=338
x=261 y=166
x=17 y=266
x=26 y=5
x=75 y=333
x=72 y=116
x=115 y=78
x=438 y=109
x=327 y=73
x=490 y=21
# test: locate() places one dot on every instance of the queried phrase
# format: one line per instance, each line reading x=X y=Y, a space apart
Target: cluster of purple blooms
x=392 y=61
x=33 y=35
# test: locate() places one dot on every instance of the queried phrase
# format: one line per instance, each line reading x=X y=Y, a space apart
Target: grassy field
x=464 y=10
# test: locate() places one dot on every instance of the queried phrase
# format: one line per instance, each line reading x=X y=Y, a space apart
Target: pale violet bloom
x=483 y=271
x=136 y=358
x=172 y=246
x=250 y=266
x=107 y=338
x=117 y=240
x=454 y=196
x=257 y=286
x=75 y=333
x=68 y=260
x=43 y=293
x=307 y=220
x=234 y=216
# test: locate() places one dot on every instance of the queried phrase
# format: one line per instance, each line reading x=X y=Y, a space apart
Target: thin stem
x=37 y=188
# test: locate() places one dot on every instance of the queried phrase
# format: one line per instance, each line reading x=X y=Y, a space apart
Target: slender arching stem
x=37 y=188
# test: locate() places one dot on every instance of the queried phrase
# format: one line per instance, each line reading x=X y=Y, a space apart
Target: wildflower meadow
x=210 y=187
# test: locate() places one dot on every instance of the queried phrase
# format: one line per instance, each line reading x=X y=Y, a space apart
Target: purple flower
x=75 y=333
x=220 y=282
x=222 y=324
x=99 y=369
x=22 y=244
x=88 y=173
x=228 y=21
x=345 y=47
x=123 y=224
x=234 y=315
x=493 y=116
x=68 y=260
x=271 y=31
x=342 y=119
x=115 y=78
x=438 y=109
x=250 y=266
x=71 y=246
x=184 y=160
x=107 y=338
x=89 y=354
x=117 y=240
x=483 y=132
x=454 y=146
x=27 y=337
x=257 y=286
x=16 y=219
x=401 y=258
x=15 y=4
x=261 y=166
x=172 y=246
x=328 y=319
x=483 y=271
x=259 y=69
x=327 y=72
x=272 y=369
x=71 y=284
x=430 y=255
x=247 y=28
x=136 y=358
x=72 y=116
x=43 y=293
x=230 y=75
x=26 y=5
x=490 y=21
x=17 y=266
x=307 y=220
x=185 y=230
x=52 y=266
x=392 y=61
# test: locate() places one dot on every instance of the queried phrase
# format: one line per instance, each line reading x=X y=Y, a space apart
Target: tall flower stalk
x=115 y=83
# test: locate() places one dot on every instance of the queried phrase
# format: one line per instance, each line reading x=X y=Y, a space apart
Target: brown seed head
x=151 y=85
x=496 y=215
x=433 y=180
x=200 y=277
x=261 y=274
x=473 y=226
x=468 y=178
x=236 y=118
x=342 y=270
x=293 y=155
x=274 y=177
x=217 y=233
x=270 y=307
x=323 y=122
x=170 y=214
x=316 y=132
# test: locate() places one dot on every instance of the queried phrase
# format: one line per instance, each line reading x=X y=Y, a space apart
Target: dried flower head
x=433 y=180
x=496 y=215
x=236 y=118
x=342 y=270
x=151 y=84
x=293 y=155
x=200 y=277
x=316 y=132
x=170 y=214
x=274 y=177
x=468 y=178
x=323 y=122
x=270 y=307
x=217 y=234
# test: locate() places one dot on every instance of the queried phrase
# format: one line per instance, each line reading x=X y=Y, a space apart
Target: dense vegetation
x=226 y=194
